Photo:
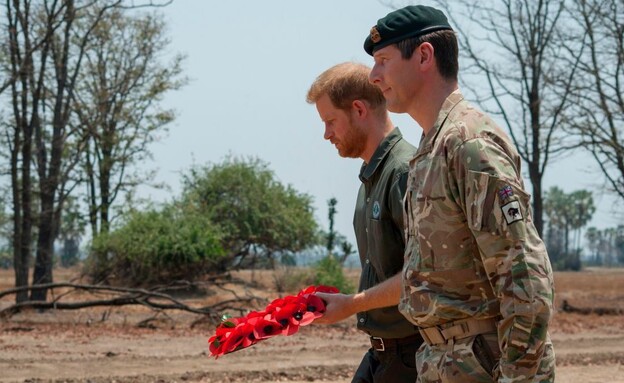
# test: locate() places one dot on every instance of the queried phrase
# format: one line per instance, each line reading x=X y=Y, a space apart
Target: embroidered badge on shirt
x=376 y=210
x=505 y=192
x=512 y=212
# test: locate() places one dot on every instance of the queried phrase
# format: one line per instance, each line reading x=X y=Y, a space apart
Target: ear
x=426 y=55
x=359 y=108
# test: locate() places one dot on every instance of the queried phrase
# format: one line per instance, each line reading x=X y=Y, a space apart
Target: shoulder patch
x=505 y=192
x=512 y=212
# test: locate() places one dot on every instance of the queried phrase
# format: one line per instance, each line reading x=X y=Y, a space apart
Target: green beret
x=411 y=21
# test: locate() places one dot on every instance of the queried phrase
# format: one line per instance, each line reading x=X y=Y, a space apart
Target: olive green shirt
x=379 y=229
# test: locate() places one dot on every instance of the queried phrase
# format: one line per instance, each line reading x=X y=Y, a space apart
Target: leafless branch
x=120 y=296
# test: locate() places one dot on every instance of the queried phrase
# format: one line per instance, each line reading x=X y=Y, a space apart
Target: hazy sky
x=250 y=64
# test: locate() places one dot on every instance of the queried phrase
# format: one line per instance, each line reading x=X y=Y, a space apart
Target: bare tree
x=26 y=62
x=46 y=43
x=67 y=46
x=513 y=49
x=598 y=113
x=120 y=86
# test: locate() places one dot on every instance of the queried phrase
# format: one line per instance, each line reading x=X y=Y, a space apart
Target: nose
x=373 y=76
x=328 y=133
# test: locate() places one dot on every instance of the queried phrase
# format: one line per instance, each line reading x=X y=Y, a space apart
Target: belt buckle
x=432 y=339
x=425 y=337
x=381 y=342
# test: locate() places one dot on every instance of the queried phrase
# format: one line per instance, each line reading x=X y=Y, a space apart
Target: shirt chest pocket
x=427 y=176
x=435 y=221
x=424 y=184
x=426 y=187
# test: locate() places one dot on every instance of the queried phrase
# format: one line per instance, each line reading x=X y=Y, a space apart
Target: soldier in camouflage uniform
x=477 y=279
x=357 y=122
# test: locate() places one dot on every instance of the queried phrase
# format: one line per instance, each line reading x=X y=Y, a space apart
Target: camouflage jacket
x=472 y=249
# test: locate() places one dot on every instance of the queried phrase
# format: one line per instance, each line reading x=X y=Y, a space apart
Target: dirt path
x=105 y=345
x=81 y=353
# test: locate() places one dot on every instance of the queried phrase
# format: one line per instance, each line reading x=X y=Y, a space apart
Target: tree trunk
x=49 y=164
x=21 y=70
x=105 y=200
x=566 y=245
x=21 y=222
x=24 y=245
x=536 y=181
x=535 y=164
x=42 y=273
x=91 y=188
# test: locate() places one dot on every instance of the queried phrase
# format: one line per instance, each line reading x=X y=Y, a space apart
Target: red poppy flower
x=290 y=316
x=316 y=306
x=276 y=304
x=242 y=336
x=319 y=289
x=215 y=346
x=265 y=328
x=255 y=314
x=283 y=316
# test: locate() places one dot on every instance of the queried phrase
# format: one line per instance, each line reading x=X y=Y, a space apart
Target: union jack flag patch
x=505 y=192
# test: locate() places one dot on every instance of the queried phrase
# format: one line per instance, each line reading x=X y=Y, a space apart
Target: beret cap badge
x=374 y=35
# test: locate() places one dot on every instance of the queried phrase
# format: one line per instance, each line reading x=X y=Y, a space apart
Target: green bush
x=328 y=271
x=156 y=247
x=251 y=206
x=6 y=258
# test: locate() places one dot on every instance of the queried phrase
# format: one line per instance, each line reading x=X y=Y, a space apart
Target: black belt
x=384 y=344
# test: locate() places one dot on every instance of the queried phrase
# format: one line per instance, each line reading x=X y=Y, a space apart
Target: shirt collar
x=451 y=101
x=368 y=169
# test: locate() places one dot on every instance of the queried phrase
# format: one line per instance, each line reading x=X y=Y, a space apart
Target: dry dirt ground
x=105 y=345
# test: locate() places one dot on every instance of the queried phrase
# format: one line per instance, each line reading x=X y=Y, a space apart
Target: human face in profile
x=396 y=77
x=348 y=137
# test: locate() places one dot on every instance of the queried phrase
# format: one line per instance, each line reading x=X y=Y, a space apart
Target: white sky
x=250 y=64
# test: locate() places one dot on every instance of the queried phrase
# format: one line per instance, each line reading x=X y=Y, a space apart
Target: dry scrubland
x=106 y=345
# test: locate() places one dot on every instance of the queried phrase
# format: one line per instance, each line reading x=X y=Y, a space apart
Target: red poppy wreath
x=283 y=316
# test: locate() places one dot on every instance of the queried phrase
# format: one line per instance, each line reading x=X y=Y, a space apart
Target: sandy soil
x=99 y=345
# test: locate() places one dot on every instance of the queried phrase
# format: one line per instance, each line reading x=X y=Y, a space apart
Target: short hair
x=445 y=49
x=345 y=83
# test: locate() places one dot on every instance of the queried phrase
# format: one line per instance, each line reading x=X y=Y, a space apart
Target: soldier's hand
x=337 y=307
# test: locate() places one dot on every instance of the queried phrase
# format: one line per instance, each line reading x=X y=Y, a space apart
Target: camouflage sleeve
x=490 y=189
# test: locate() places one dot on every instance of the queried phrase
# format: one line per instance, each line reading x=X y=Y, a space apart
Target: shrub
x=251 y=206
x=156 y=247
x=328 y=271
x=6 y=259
